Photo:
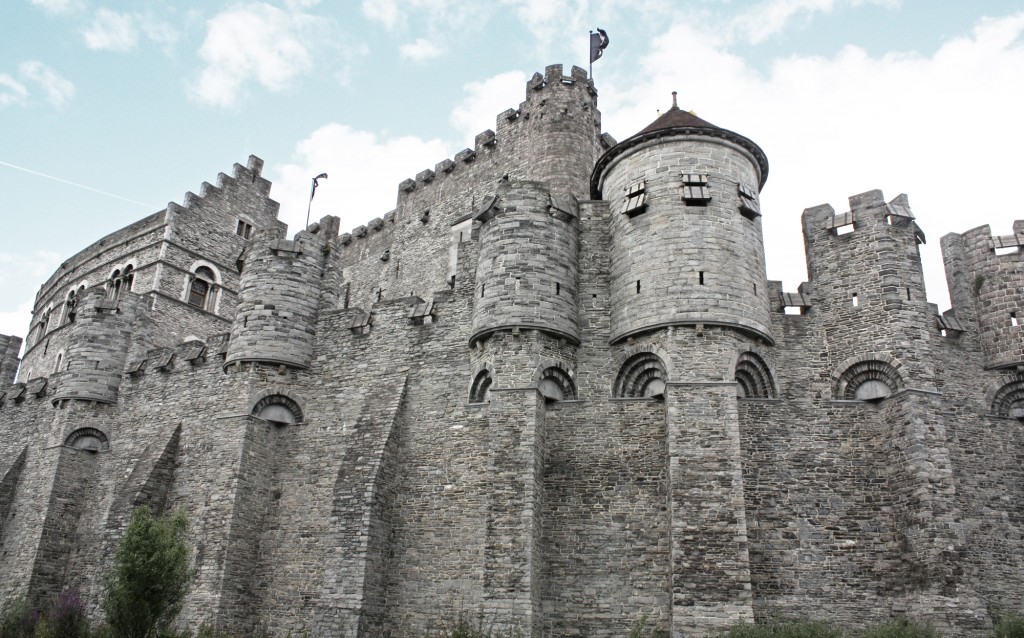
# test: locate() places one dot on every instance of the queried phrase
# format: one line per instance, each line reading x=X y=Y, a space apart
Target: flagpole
x=312 y=189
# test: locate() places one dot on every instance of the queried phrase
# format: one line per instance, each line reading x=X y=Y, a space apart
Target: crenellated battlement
x=518 y=397
x=985 y=272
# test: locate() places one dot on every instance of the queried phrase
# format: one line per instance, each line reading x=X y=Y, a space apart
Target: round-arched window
x=278 y=410
x=87 y=440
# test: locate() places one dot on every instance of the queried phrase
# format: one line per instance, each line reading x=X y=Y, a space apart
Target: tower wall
x=9 y=348
x=868 y=283
x=527 y=267
x=279 y=302
x=676 y=263
x=98 y=347
x=561 y=126
x=987 y=286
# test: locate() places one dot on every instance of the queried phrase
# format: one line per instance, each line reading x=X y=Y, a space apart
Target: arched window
x=128 y=278
x=556 y=385
x=88 y=440
x=868 y=380
x=1008 y=401
x=114 y=285
x=642 y=375
x=201 y=291
x=753 y=378
x=480 y=391
x=71 y=304
x=278 y=409
x=60 y=360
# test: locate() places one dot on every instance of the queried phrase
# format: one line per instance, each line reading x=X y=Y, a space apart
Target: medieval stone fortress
x=553 y=390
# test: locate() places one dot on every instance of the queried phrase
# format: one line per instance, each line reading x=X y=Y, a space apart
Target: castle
x=552 y=391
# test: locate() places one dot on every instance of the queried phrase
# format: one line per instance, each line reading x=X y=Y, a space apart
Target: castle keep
x=552 y=390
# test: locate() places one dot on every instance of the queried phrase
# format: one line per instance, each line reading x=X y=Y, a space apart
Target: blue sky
x=145 y=100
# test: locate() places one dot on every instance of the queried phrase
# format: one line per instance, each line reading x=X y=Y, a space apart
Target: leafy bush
x=784 y=629
x=900 y=628
x=18 y=620
x=147 y=585
x=1009 y=626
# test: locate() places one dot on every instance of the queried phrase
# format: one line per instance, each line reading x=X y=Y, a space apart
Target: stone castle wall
x=563 y=464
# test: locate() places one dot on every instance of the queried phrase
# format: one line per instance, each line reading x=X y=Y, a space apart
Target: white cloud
x=12 y=91
x=111 y=31
x=58 y=6
x=768 y=18
x=15 y=91
x=837 y=126
x=57 y=89
x=386 y=12
x=255 y=41
x=121 y=32
x=364 y=169
x=484 y=100
x=420 y=51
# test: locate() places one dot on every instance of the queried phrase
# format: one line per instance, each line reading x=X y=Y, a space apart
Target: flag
x=316 y=183
x=598 y=43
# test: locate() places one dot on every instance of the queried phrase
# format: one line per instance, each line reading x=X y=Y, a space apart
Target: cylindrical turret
x=526 y=273
x=98 y=347
x=278 y=303
x=989 y=289
x=686 y=241
x=561 y=130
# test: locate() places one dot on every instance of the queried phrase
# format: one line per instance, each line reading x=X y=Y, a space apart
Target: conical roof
x=675 y=122
x=676 y=117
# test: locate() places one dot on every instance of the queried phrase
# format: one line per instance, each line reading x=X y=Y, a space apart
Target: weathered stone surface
x=683 y=450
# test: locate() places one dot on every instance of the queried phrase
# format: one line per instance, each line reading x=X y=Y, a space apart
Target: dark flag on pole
x=598 y=43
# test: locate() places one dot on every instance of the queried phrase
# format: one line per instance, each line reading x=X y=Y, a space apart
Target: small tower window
x=749 y=207
x=636 y=198
x=855 y=300
x=1014 y=321
x=695 y=189
x=244 y=229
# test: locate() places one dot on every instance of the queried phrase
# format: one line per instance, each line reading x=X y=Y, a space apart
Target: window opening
x=199 y=291
x=60 y=359
x=695 y=189
x=558 y=288
x=128 y=278
x=636 y=199
x=114 y=287
x=855 y=300
x=908 y=293
x=244 y=230
x=701 y=277
x=638 y=286
x=1014 y=321
x=749 y=206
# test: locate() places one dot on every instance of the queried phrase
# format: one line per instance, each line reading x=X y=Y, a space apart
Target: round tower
x=527 y=267
x=561 y=130
x=98 y=347
x=279 y=298
x=686 y=240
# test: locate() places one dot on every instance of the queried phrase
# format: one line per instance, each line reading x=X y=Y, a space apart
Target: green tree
x=147 y=585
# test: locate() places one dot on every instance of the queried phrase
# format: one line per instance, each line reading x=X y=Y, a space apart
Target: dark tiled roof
x=676 y=117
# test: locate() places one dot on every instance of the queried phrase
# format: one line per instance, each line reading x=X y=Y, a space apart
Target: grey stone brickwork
x=367 y=446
